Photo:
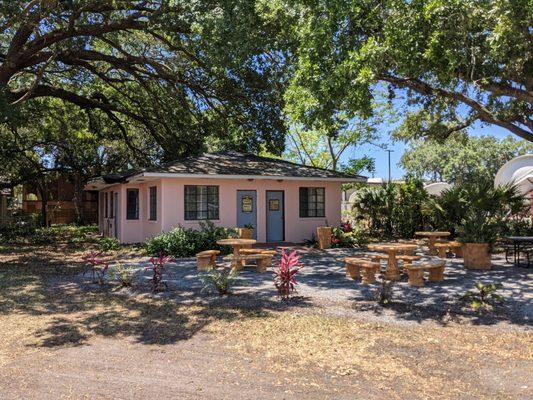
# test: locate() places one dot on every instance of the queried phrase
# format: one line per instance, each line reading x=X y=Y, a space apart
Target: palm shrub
x=219 y=279
x=393 y=210
x=476 y=212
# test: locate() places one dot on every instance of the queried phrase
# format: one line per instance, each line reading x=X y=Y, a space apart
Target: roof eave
x=357 y=179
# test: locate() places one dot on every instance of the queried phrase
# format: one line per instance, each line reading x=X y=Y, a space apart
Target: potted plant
x=247 y=232
x=478 y=231
x=323 y=234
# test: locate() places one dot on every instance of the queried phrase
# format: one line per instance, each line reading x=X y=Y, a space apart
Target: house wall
x=171 y=207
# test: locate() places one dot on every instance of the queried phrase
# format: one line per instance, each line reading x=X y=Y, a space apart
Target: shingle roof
x=234 y=163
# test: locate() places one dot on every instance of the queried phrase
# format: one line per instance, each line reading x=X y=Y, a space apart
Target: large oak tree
x=182 y=71
x=456 y=61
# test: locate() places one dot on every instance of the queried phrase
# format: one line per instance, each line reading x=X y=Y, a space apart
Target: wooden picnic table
x=433 y=237
x=237 y=245
x=392 y=271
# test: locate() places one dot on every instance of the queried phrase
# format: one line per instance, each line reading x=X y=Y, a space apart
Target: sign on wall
x=247 y=204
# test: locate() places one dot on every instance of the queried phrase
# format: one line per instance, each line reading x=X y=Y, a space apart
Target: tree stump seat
x=361 y=268
x=206 y=259
x=415 y=273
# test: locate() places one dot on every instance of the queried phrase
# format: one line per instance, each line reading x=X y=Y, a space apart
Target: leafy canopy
x=455 y=61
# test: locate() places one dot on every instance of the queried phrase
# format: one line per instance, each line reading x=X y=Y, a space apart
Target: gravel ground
x=323 y=281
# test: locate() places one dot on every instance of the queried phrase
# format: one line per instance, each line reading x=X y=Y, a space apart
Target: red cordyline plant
x=284 y=273
x=158 y=268
x=93 y=261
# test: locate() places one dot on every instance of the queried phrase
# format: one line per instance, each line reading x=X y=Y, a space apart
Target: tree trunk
x=78 y=199
x=44 y=204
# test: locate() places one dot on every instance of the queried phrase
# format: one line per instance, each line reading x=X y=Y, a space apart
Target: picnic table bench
x=263 y=261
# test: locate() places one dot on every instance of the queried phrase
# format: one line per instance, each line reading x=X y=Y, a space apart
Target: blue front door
x=275 y=216
x=247 y=209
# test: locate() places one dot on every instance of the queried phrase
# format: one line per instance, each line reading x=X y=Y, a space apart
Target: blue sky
x=381 y=156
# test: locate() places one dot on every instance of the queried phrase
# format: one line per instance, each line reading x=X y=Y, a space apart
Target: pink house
x=284 y=201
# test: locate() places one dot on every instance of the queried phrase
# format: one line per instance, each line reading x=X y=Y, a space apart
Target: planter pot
x=477 y=255
x=245 y=233
x=323 y=235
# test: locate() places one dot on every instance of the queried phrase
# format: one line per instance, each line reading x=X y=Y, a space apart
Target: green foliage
x=461 y=158
x=107 y=243
x=476 y=212
x=485 y=297
x=183 y=242
x=392 y=210
x=346 y=238
x=455 y=61
x=384 y=293
x=26 y=230
x=219 y=279
x=125 y=276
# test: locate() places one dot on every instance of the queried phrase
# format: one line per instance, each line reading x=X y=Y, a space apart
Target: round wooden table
x=392 y=272
x=237 y=245
x=433 y=237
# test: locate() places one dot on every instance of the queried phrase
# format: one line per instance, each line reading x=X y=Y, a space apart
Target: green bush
x=108 y=243
x=183 y=242
x=393 y=210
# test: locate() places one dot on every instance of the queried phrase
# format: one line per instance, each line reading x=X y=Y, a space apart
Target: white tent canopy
x=518 y=171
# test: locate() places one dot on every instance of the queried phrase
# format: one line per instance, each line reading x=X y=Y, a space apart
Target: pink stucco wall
x=171 y=206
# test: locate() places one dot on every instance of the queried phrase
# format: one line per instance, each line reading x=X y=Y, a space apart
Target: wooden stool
x=263 y=263
x=206 y=259
x=416 y=276
x=436 y=271
x=369 y=273
x=457 y=249
x=442 y=248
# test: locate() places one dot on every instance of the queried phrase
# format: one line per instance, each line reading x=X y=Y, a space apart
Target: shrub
x=97 y=266
x=125 y=276
x=108 y=243
x=219 y=279
x=284 y=273
x=158 y=268
x=182 y=242
x=383 y=294
x=485 y=296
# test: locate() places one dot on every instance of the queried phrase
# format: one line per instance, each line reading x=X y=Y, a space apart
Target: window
x=312 y=202
x=106 y=205
x=132 y=204
x=153 y=203
x=201 y=202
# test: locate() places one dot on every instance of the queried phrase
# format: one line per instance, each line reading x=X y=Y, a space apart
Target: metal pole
x=389 y=151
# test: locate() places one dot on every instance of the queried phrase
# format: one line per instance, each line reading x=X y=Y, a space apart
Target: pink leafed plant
x=93 y=260
x=284 y=273
x=158 y=268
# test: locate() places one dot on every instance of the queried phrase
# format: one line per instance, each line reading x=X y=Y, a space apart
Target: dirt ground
x=63 y=338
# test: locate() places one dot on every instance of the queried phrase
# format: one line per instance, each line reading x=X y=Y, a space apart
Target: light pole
x=389 y=151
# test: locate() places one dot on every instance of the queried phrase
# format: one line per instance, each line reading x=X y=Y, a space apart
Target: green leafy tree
x=461 y=158
x=454 y=61
x=178 y=70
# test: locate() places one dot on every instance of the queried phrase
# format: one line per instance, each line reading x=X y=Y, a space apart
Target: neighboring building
x=284 y=201
x=61 y=208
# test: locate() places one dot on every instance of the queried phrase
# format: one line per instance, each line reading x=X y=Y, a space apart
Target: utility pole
x=389 y=151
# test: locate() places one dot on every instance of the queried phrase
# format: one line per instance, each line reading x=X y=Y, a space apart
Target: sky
x=381 y=156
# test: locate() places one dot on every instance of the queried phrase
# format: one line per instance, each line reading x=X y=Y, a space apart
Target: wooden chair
x=206 y=260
